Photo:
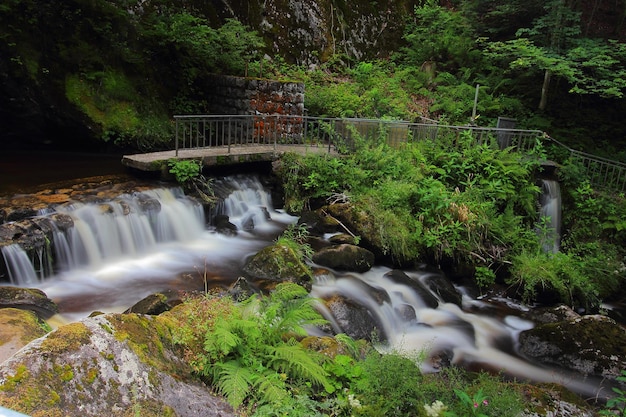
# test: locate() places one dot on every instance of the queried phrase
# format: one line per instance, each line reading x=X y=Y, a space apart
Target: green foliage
x=185 y=170
x=296 y=238
x=453 y=46
x=249 y=352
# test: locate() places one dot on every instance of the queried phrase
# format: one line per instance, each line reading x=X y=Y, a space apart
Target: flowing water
x=114 y=257
x=550 y=213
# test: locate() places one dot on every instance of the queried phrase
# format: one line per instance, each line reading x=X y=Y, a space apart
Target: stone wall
x=238 y=95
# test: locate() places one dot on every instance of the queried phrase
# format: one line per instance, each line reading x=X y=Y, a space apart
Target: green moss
x=64 y=372
x=11 y=382
x=69 y=337
x=148 y=337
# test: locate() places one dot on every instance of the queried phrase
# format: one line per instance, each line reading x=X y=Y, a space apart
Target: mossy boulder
x=592 y=345
x=279 y=263
x=31 y=299
x=117 y=365
x=345 y=257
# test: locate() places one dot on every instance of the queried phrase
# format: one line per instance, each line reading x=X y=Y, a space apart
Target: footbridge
x=232 y=139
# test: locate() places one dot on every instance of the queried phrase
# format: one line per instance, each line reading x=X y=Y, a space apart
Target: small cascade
x=110 y=254
x=130 y=225
x=19 y=267
x=485 y=338
x=245 y=201
x=550 y=215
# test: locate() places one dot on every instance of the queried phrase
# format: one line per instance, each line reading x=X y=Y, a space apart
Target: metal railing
x=202 y=131
x=601 y=172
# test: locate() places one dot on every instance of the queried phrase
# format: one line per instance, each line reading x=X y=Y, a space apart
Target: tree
x=554 y=47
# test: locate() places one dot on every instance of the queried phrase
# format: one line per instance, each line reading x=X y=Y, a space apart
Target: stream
x=113 y=258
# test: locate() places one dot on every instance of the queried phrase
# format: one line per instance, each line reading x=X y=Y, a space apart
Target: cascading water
x=119 y=252
x=550 y=215
x=484 y=338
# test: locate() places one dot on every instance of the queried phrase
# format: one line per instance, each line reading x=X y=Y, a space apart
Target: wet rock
x=157 y=303
x=343 y=238
x=355 y=320
x=28 y=299
x=424 y=293
x=278 y=263
x=345 y=257
x=318 y=222
x=107 y=365
x=589 y=345
x=224 y=226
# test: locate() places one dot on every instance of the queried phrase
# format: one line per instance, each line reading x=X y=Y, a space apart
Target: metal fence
x=602 y=172
x=201 y=131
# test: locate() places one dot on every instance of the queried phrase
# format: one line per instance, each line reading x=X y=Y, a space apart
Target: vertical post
x=228 y=134
x=473 y=121
x=176 y=140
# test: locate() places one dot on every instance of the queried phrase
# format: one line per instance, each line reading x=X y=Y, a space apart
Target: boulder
x=345 y=257
x=31 y=299
x=592 y=345
x=17 y=329
x=224 y=226
x=115 y=365
x=278 y=263
x=355 y=320
x=155 y=304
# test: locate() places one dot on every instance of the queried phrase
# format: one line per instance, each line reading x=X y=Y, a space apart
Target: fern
x=221 y=341
x=233 y=381
x=271 y=389
x=292 y=359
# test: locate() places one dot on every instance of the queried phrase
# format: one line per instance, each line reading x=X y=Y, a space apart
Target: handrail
x=205 y=131
x=195 y=131
x=602 y=172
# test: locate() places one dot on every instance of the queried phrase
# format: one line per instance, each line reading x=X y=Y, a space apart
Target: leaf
x=233 y=381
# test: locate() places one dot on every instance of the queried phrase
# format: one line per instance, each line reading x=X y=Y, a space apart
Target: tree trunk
x=544 y=90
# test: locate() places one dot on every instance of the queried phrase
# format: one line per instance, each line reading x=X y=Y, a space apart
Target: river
x=111 y=260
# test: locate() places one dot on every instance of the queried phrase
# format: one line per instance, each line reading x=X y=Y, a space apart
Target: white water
x=118 y=253
x=551 y=212
x=481 y=339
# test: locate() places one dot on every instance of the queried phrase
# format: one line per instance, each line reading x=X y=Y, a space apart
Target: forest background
x=108 y=75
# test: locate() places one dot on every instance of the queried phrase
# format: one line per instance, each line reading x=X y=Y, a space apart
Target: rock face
x=114 y=365
x=590 y=345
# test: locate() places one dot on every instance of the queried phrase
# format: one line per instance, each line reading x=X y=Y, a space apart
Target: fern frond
x=295 y=314
x=349 y=343
x=271 y=389
x=287 y=291
x=221 y=341
x=297 y=362
x=233 y=381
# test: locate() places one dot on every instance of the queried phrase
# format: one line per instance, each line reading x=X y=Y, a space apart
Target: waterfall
x=550 y=215
x=19 y=267
x=117 y=252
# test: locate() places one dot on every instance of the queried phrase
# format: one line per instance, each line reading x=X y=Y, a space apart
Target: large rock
x=345 y=257
x=114 y=365
x=589 y=345
x=31 y=299
x=278 y=263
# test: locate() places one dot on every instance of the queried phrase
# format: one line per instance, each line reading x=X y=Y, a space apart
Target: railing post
x=176 y=140
x=228 y=135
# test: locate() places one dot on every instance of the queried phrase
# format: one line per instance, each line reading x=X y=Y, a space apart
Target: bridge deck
x=219 y=155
